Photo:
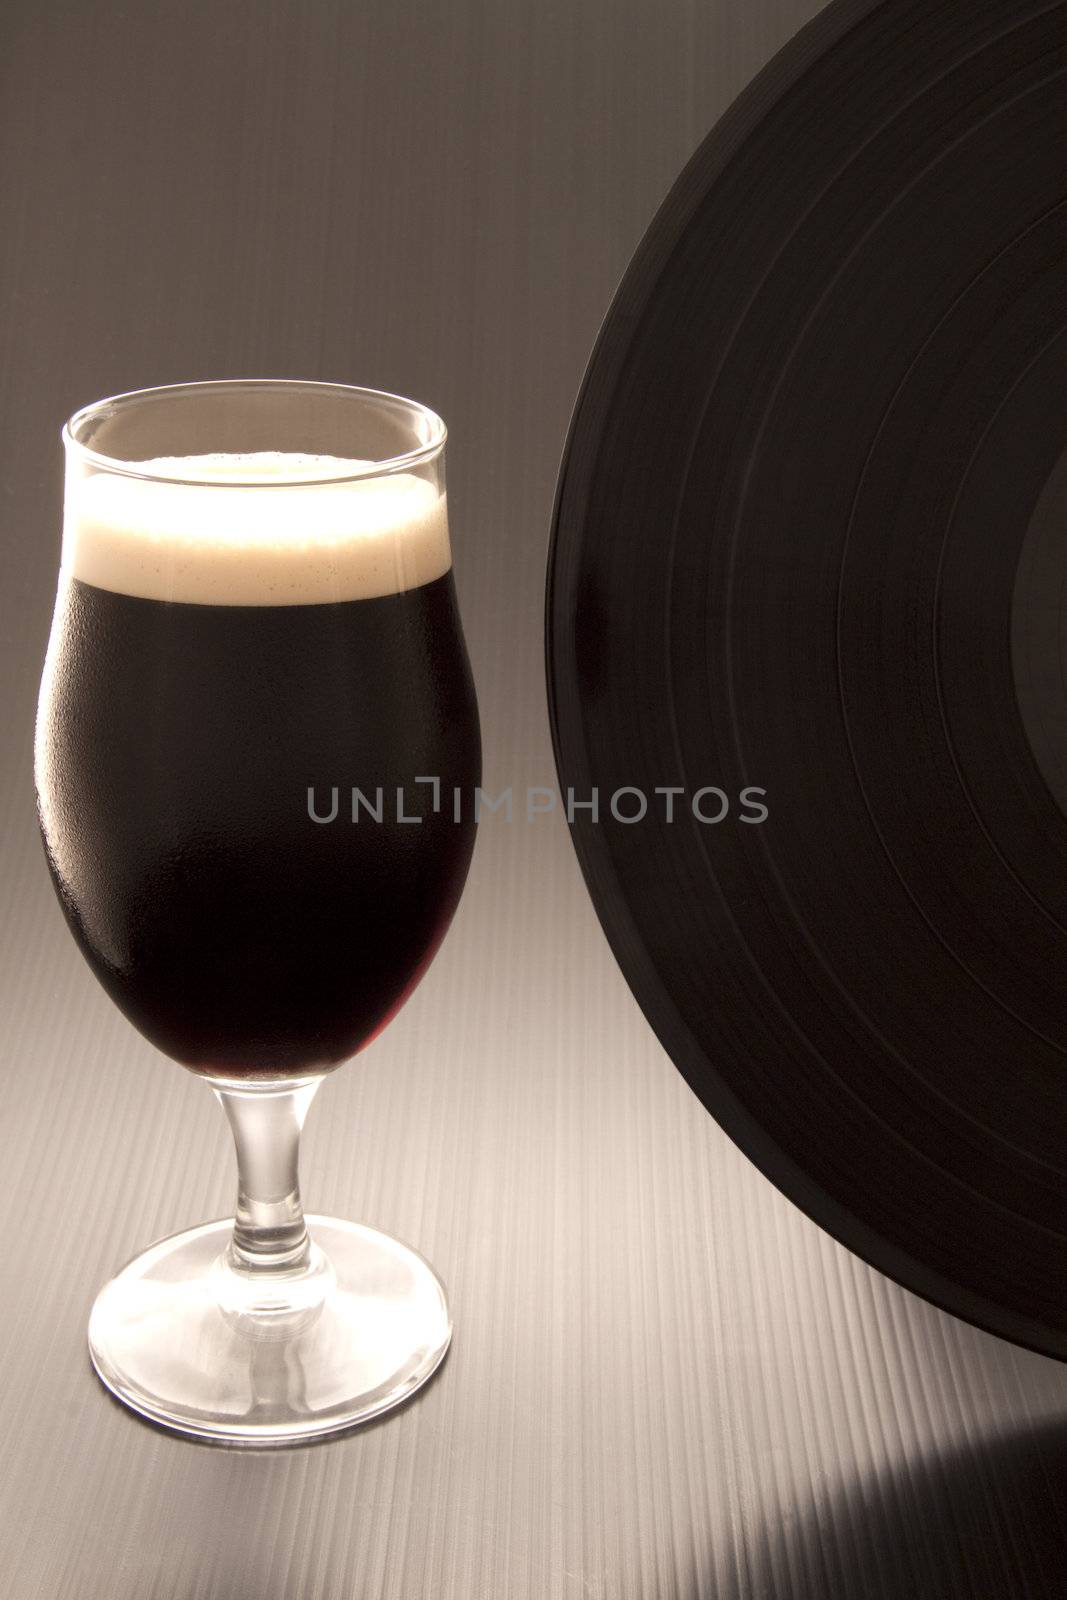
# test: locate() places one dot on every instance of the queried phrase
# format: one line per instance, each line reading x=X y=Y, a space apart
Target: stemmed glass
x=257 y=749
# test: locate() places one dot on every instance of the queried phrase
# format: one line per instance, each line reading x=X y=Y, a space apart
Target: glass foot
x=185 y=1340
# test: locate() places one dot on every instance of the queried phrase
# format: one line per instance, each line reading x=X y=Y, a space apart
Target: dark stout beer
x=177 y=743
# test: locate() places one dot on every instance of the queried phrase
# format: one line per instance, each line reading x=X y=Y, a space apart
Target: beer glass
x=257 y=746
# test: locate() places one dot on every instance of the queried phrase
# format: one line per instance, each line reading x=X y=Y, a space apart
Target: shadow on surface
x=986 y=1521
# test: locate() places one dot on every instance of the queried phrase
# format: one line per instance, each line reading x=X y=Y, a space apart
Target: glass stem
x=269 y=1233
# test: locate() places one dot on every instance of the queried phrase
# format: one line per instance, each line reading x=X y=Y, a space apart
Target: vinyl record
x=811 y=539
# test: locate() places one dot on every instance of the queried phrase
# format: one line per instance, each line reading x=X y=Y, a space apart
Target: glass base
x=187 y=1341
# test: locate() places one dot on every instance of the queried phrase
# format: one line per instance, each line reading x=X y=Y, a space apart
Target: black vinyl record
x=811 y=538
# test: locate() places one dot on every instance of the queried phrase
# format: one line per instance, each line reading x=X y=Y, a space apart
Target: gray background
x=665 y=1382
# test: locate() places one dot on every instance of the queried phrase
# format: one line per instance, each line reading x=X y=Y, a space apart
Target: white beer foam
x=235 y=541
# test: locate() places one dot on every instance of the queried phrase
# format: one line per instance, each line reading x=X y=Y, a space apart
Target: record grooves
x=811 y=535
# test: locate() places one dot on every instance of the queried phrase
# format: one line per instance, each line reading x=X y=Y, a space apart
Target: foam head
x=265 y=528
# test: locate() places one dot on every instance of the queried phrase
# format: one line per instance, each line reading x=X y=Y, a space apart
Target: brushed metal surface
x=665 y=1382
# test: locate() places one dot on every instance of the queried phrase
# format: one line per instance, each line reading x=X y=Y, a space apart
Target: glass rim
x=419 y=455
